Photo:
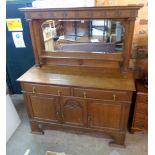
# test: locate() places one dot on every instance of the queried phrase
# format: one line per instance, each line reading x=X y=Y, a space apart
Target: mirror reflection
x=83 y=35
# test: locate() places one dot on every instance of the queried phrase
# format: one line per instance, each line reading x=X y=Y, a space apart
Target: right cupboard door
x=104 y=114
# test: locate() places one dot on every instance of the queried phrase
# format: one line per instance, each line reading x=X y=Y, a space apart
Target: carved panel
x=72 y=104
x=73 y=111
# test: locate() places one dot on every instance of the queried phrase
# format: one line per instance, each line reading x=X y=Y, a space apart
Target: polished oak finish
x=140 y=117
x=79 y=98
x=77 y=76
x=74 y=111
x=44 y=107
x=110 y=12
x=83 y=91
x=36 y=88
x=100 y=113
x=125 y=14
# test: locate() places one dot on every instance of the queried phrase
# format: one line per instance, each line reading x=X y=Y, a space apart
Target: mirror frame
x=125 y=14
x=41 y=36
x=43 y=54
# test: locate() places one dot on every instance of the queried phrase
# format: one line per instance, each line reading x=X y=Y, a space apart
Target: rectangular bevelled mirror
x=101 y=36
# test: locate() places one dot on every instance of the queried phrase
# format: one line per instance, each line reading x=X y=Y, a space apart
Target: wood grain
x=80 y=77
x=89 y=92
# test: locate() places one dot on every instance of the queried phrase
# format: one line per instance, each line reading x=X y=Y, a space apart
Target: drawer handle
x=89 y=118
x=59 y=93
x=114 y=97
x=34 y=90
x=57 y=113
x=62 y=115
x=85 y=95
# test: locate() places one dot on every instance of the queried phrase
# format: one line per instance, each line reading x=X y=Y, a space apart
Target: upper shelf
x=110 y=12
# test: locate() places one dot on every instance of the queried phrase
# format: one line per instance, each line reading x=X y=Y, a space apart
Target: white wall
x=12 y=118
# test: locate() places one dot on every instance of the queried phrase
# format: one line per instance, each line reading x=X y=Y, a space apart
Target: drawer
x=103 y=94
x=46 y=89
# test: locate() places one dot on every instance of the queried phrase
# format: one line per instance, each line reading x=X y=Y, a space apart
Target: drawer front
x=47 y=89
x=102 y=94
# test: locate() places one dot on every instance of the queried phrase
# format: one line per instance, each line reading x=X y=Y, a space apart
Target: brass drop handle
x=114 y=97
x=85 y=95
x=34 y=90
x=62 y=115
x=59 y=93
x=89 y=118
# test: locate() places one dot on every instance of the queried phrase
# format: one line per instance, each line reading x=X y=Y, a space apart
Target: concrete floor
x=71 y=143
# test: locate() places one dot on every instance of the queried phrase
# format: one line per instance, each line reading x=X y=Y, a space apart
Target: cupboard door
x=44 y=107
x=73 y=111
x=103 y=114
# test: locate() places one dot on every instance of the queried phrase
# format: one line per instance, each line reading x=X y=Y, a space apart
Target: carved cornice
x=82 y=13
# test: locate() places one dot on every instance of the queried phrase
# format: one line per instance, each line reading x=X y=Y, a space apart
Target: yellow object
x=14 y=24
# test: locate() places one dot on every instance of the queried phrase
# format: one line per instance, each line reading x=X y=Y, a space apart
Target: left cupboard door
x=43 y=107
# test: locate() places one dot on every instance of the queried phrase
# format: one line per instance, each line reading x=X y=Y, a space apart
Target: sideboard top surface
x=80 y=77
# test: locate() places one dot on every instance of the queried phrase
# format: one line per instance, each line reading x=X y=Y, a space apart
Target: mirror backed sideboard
x=81 y=79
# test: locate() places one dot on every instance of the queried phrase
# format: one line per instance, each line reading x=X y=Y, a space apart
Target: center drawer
x=46 y=89
x=103 y=94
